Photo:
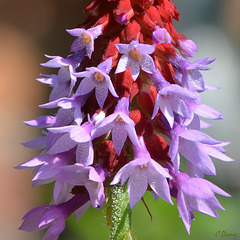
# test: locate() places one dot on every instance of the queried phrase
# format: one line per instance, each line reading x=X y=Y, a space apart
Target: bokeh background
x=28 y=30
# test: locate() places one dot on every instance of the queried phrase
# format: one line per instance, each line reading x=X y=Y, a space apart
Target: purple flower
x=196 y=194
x=196 y=147
x=206 y=111
x=42 y=121
x=98 y=78
x=74 y=136
x=120 y=124
x=75 y=102
x=89 y=177
x=186 y=48
x=136 y=56
x=207 y=151
x=64 y=81
x=187 y=74
x=62 y=118
x=38 y=143
x=141 y=172
x=161 y=35
x=85 y=39
x=47 y=166
x=173 y=98
x=53 y=217
x=72 y=61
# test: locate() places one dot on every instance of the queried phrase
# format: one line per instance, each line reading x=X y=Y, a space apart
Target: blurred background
x=28 y=30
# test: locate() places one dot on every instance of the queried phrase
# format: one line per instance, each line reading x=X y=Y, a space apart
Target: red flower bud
x=158 y=148
x=111 y=50
x=124 y=12
x=130 y=32
x=143 y=126
x=146 y=98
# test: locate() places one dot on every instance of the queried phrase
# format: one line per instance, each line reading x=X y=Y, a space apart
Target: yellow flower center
x=143 y=166
x=86 y=38
x=135 y=54
x=119 y=119
x=99 y=77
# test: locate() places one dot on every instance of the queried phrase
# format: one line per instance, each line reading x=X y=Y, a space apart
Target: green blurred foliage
x=165 y=223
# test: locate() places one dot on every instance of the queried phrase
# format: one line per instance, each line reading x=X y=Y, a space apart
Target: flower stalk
x=119 y=214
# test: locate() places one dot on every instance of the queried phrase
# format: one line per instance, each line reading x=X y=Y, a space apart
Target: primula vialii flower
x=129 y=107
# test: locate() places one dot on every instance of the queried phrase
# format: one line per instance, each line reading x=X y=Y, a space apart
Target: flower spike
x=126 y=108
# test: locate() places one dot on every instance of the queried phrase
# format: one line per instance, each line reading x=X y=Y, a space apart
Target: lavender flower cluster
x=125 y=115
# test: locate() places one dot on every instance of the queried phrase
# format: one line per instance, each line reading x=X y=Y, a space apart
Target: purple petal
x=160 y=169
x=193 y=171
x=215 y=153
x=173 y=149
x=200 y=64
x=207 y=206
x=64 y=117
x=95 y=31
x=156 y=106
x=77 y=45
x=111 y=88
x=178 y=90
x=38 y=143
x=166 y=110
x=147 y=64
x=76 y=32
x=55 y=62
x=122 y=107
x=61 y=191
x=192 y=152
x=42 y=121
x=158 y=182
x=101 y=92
x=31 y=220
x=63 y=144
x=90 y=49
x=106 y=65
x=123 y=64
x=78 y=116
x=125 y=172
x=96 y=193
x=66 y=103
x=197 y=136
x=122 y=48
x=208 y=112
x=132 y=135
x=51 y=80
x=184 y=211
x=119 y=136
x=52 y=104
x=134 y=68
x=81 y=134
x=160 y=186
x=76 y=174
x=146 y=48
x=217 y=190
x=63 y=129
x=55 y=230
x=198 y=188
x=39 y=160
x=84 y=153
x=137 y=186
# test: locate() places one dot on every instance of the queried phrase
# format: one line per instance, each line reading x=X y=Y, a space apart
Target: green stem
x=119 y=214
